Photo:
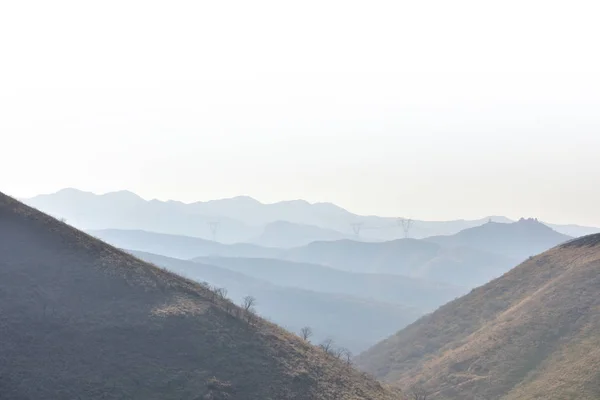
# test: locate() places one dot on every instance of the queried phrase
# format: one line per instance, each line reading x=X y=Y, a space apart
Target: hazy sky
x=429 y=109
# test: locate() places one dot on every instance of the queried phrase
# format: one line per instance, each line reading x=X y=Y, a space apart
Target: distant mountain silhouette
x=240 y=219
x=125 y=210
x=269 y=264
x=353 y=322
x=80 y=319
x=574 y=230
x=518 y=240
x=417 y=258
x=399 y=256
x=533 y=333
x=418 y=293
x=285 y=234
x=179 y=246
x=467 y=259
x=463 y=267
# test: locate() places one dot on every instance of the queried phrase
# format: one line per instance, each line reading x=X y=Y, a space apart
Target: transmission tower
x=356 y=227
x=214 y=228
x=406 y=224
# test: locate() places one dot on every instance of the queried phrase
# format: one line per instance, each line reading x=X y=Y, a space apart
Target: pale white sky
x=429 y=109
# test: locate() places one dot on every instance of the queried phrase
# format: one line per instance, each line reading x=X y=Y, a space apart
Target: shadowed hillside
x=82 y=320
x=533 y=333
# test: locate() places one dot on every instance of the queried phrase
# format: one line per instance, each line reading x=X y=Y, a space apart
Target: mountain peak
x=518 y=240
x=498 y=219
x=523 y=220
x=245 y=200
x=67 y=193
x=299 y=202
x=123 y=197
x=71 y=191
x=532 y=224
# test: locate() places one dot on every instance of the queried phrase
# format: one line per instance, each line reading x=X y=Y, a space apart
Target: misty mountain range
x=355 y=292
x=244 y=219
x=354 y=322
x=467 y=259
x=301 y=265
x=358 y=286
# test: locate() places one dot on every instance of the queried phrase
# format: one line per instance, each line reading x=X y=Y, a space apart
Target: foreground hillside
x=82 y=320
x=533 y=333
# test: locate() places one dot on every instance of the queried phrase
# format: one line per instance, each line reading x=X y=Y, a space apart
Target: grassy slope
x=533 y=333
x=81 y=319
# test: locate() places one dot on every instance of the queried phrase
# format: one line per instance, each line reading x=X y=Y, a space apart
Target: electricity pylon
x=356 y=227
x=214 y=228
x=406 y=225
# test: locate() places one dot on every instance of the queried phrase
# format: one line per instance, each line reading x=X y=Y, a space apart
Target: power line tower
x=406 y=224
x=356 y=227
x=214 y=228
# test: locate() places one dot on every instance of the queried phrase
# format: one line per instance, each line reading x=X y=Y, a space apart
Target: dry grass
x=531 y=334
x=82 y=320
